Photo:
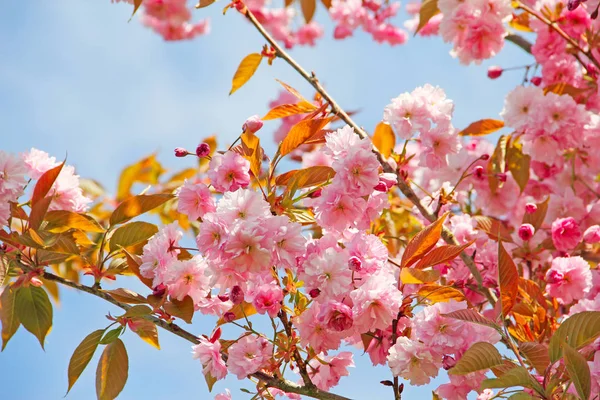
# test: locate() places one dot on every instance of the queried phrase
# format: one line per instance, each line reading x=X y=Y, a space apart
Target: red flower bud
x=203 y=150
x=237 y=295
x=316 y=193
x=229 y=316
x=501 y=177
x=448 y=362
x=216 y=335
x=494 y=72
x=381 y=187
x=536 y=80
x=159 y=291
x=314 y=293
x=526 y=232
x=355 y=264
x=530 y=208
x=484 y=157
x=181 y=152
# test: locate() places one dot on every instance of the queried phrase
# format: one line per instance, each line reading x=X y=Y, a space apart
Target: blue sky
x=76 y=78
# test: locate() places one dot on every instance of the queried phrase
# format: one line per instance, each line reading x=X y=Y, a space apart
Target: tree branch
x=268 y=380
x=402 y=184
x=519 y=41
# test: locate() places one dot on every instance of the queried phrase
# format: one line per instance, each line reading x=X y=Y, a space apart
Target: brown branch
x=519 y=41
x=268 y=380
x=402 y=184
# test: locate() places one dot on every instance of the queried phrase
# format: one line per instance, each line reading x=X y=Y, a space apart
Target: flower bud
x=501 y=177
x=573 y=4
x=389 y=179
x=526 y=232
x=448 y=362
x=355 y=264
x=181 y=152
x=159 y=291
x=316 y=193
x=592 y=234
x=536 y=80
x=594 y=15
x=381 y=187
x=530 y=208
x=237 y=295
x=314 y=293
x=216 y=335
x=479 y=172
x=223 y=297
x=252 y=124
x=229 y=316
x=203 y=150
x=484 y=157
x=494 y=72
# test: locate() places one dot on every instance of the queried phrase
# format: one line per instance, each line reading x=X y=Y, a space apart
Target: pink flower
x=376 y=304
x=188 y=278
x=313 y=332
x=309 y=33
x=12 y=176
x=267 y=299
x=336 y=316
x=160 y=252
x=242 y=204
x=248 y=247
x=339 y=143
x=327 y=375
x=224 y=396
x=248 y=355
x=336 y=209
x=592 y=234
x=438 y=143
x=228 y=172
x=413 y=361
x=520 y=107
x=209 y=354
x=195 y=200
x=569 y=279
x=288 y=239
x=358 y=171
x=327 y=272
x=566 y=234
x=460 y=385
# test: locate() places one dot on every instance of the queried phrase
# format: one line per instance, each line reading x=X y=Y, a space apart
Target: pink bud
x=216 y=335
x=203 y=150
x=389 y=179
x=494 y=72
x=252 y=124
x=448 y=362
x=536 y=80
x=381 y=187
x=159 y=291
x=526 y=232
x=485 y=157
x=530 y=208
x=554 y=277
x=223 y=297
x=229 y=316
x=181 y=152
x=479 y=172
x=314 y=293
x=355 y=264
x=316 y=193
x=592 y=234
x=237 y=295
x=501 y=177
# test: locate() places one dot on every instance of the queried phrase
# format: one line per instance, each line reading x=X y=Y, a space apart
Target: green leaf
x=8 y=315
x=137 y=205
x=578 y=330
x=245 y=70
x=480 y=356
x=112 y=371
x=579 y=371
x=146 y=330
x=138 y=311
x=183 y=309
x=508 y=279
x=34 y=310
x=131 y=234
x=536 y=354
x=82 y=356
x=112 y=335
x=517 y=376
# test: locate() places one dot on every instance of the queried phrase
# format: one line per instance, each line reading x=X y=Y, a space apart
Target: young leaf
x=578 y=330
x=34 y=310
x=441 y=255
x=136 y=6
x=147 y=170
x=537 y=217
x=44 y=184
x=439 y=294
x=308 y=9
x=497 y=164
x=82 y=356
x=480 y=356
x=422 y=242
x=112 y=371
x=508 y=279
x=210 y=380
x=494 y=228
x=183 y=309
x=8 y=315
x=239 y=311
x=536 y=354
x=417 y=276
x=482 y=127
x=137 y=205
x=134 y=262
x=112 y=335
x=473 y=317
x=521 y=396
x=285 y=110
x=245 y=70
x=428 y=9
x=131 y=234
x=384 y=139
x=301 y=132
x=146 y=330
x=138 y=311
x=38 y=212
x=252 y=152
x=127 y=296
x=578 y=370
x=4 y=266
x=307 y=177
x=518 y=163
x=60 y=220
x=517 y=376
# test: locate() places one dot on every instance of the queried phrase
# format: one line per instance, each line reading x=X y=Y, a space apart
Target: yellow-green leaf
x=34 y=310
x=422 y=242
x=82 y=356
x=439 y=294
x=482 y=127
x=8 y=315
x=578 y=370
x=131 y=234
x=146 y=330
x=301 y=132
x=418 y=276
x=480 y=356
x=112 y=335
x=61 y=220
x=521 y=396
x=508 y=279
x=183 y=309
x=137 y=205
x=285 y=110
x=112 y=371
x=384 y=139
x=428 y=9
x=578 y=330
x=245 y=70
x=4 y=266
x=517 y=376
x=518 y=163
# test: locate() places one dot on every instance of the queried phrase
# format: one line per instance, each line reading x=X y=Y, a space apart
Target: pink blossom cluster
x=171 y=19
x=373 y=16
x=425 y=112
x=12 y=182
x=474 y=27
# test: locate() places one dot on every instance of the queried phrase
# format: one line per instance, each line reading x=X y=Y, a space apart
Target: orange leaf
x=482 y=127
x=508 y=279
x=204 y=3
x=134 y=262
x=137 y=205
x=308 y=9
x=301 y=132
x=441 y=255
x=136 y=5
x=239 y=311
x=44 y=184
x=428 y=9
x=518 y=163
x=384 y=139
x=285 y=110
x=494 y=228
x=537 y=218
x=245 y=70
x=293 y=91
x=417 y=276
x=252 y=152
x=422 y=242
x=307 y=177
x=439 y=294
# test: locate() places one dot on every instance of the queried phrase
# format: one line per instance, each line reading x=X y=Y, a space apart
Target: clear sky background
x=75 y=77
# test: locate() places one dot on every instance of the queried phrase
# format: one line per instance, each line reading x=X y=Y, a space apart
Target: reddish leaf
x=307 y=177
x=285 y=110
x=38 y=212
x=494 y=228
x=44 y=184
x=422 y=242
x=301 y=132
x=134 y=262
x=441 y=255
x=183 y=309
x=482 y=127
x=508 y=279
x=8 y=315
